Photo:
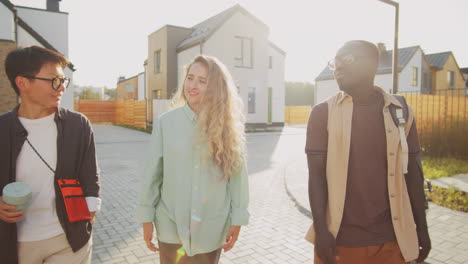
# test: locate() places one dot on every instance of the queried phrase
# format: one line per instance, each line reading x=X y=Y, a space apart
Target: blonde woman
x=195 y=188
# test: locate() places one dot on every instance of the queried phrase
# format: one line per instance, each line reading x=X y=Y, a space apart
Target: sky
x=108 y=38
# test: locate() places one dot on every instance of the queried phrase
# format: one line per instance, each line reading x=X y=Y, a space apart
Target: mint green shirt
x=183 y=192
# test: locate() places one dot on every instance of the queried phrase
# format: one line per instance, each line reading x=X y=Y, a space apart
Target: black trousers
x=175 y=254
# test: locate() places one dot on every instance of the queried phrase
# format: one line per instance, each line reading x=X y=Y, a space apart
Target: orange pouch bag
x=75 y=202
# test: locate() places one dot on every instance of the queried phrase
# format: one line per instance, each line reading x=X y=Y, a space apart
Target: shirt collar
x=189 y=113
x=388 y=98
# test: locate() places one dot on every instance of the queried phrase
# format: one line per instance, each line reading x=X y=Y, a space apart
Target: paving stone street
x=279 y=218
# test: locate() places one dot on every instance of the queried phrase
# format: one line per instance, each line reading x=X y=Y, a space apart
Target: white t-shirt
x=40 y=217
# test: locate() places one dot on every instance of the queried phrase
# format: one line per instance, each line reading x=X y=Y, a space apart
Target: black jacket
x=76 y=159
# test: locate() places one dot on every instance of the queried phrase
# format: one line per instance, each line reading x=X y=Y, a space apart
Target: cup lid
x=17 y=189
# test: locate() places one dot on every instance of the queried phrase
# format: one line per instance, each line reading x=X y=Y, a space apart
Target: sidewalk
x=459 y=182
x=448 y=229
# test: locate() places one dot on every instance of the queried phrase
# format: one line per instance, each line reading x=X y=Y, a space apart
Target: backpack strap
x=400 y=117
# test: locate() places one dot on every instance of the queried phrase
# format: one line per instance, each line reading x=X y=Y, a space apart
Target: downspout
x=201 y=45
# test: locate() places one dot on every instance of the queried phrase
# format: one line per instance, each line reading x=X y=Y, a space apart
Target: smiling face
x=195 y=85
x=40 y=92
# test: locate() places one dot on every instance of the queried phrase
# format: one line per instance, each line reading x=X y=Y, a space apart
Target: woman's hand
x=148 y=236
x=231 y=237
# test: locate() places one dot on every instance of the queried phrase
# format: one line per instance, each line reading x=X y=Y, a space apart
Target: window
x=251 y=100
x=129 y=88
x=414 y=78
x=244 y=54
x=451 y=79
x=270 y=62
x=156 y=94
x=157 y=61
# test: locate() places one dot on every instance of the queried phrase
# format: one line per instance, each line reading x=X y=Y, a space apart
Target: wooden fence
x=297 y=114
x=442 y=121
x=428 y=109
x=128 y=112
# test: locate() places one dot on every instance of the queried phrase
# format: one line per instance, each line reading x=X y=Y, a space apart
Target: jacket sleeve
x=239 y=188
x=150 y=191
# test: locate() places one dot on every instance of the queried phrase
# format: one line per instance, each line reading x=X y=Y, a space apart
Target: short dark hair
x=369 y=47
x=29 y=61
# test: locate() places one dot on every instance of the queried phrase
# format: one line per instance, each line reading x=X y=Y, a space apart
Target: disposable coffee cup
x=18 y=194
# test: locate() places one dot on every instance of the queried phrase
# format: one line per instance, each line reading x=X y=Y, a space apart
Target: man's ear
x=22 y=83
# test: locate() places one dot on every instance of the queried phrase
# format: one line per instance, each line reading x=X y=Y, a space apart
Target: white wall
x=384 y=81
x=184 y=58
x=406 y=75
x=324 y=90
x=7 y=26
x=160 y=106
x=52 y=26
x=223 y=46
x=141 y=86
x=276 y=81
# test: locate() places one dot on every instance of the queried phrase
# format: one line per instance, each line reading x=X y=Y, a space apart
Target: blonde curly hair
x=220 y=119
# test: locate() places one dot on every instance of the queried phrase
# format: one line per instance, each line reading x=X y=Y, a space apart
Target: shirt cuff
x=145 y=214
x=239 y=217
x=94 y=203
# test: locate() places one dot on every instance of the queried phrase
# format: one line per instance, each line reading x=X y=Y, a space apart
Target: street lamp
x=395 y=45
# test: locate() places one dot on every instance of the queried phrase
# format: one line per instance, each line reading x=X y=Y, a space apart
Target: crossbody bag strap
x=39 y=155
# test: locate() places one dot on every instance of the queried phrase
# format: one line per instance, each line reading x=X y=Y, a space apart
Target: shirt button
x=395 y=218
x=385 y=110
x=392 y=195
x=389 y=131
x=391 y=174
x=391 y=153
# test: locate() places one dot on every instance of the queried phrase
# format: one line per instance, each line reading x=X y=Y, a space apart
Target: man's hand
x=93 y=214
x=424 y=245
x=7 y=216
x=325 y=247
x=231 y=237
x=148 y=236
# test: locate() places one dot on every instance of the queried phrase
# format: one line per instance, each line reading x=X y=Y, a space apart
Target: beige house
x=161 y=65
x=132 y=88
x=447 y=77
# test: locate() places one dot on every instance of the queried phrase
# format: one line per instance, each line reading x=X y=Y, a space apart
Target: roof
x=385 y=63
x=276 y=48
x=206 y=28
x=33 y=32
x=464 y=70
x=8 y=4
x=438 y=59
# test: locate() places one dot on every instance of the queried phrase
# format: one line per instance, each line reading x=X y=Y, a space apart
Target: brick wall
x=8 y=98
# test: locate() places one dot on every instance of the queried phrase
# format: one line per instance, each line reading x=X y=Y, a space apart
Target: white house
x=240 y=41
x=414 y=74
x=24 y=26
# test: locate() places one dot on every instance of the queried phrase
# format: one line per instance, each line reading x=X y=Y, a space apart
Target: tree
x=299 y=93
x=111 y=93
x=88 y=94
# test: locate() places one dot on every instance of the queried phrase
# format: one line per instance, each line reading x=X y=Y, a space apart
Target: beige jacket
x=340 y=112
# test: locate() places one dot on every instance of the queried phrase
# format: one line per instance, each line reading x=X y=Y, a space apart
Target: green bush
x=443 y=167
x=446 y=138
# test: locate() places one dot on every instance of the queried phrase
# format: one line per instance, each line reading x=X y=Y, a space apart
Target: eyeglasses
x=56 y=81
x=345 y=60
